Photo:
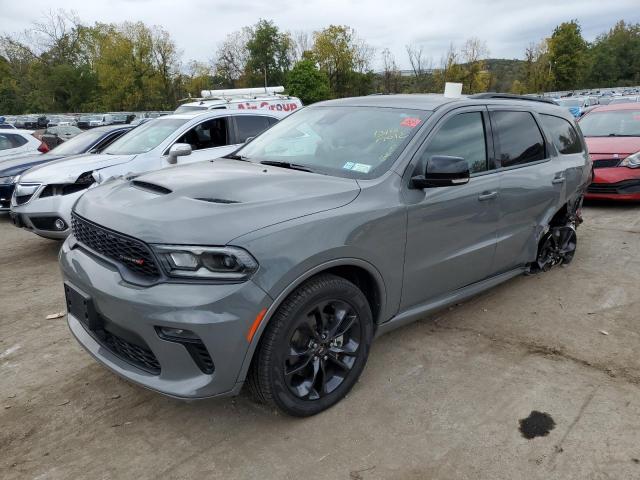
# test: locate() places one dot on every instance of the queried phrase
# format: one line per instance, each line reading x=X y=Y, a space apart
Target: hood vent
x=217 y=200
x=152 y=187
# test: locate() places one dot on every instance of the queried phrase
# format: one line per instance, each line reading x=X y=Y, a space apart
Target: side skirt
x=419 y=311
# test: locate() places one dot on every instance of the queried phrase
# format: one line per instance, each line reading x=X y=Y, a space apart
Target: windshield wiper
x=291 y=166
x=235 y=156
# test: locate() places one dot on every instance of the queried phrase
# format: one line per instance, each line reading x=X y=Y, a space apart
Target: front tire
x=314 y=348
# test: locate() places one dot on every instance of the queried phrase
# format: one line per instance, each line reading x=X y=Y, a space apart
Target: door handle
x=558 y=180
x=487 y=196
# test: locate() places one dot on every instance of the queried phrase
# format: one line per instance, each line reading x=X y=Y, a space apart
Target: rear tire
x=314 y=348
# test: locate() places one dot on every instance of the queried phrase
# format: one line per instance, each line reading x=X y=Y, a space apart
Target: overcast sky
x=198 y=26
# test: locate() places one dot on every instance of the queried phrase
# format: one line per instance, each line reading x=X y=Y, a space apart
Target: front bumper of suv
x=128 y=330
x=34 y=210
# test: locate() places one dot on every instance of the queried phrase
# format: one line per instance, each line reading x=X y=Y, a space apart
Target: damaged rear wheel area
x=558 y=244
x=557 y=247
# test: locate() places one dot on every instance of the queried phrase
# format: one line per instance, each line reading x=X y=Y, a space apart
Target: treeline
x=64 y=65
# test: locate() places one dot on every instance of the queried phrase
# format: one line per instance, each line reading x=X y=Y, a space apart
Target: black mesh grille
x=606 y=163
x=201 y=356
x=137 y=355
x=602 y=188
x=133 y=254
x=621 y=188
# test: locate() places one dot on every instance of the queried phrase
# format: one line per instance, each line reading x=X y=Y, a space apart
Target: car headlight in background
x=632 y=161
x=213 y=263
x=9 y=180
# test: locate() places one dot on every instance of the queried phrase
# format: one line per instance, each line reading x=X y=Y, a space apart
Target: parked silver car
x=42 y=201
x=278 y=265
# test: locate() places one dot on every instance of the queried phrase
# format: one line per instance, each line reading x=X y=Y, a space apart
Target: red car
x=612 y=133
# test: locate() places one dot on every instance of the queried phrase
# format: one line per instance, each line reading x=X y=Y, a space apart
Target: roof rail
x=235 y=92
x=510 y=96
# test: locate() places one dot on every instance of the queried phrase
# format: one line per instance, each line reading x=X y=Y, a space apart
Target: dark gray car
x=278 y=265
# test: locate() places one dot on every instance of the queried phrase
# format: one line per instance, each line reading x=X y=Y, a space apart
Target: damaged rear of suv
x=277 y=265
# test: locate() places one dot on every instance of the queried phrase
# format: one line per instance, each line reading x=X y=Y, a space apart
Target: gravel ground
x=441 y=398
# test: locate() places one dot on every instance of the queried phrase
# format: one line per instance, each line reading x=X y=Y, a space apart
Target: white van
x=269 y=98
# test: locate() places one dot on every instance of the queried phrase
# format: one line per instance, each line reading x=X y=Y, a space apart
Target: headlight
x=9 y=180
x=213 y=263
x=632 y=161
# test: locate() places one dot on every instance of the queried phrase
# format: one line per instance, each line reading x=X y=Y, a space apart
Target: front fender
x=338 y=262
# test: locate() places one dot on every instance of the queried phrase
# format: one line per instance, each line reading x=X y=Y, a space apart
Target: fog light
x=59 y=224
x=176 y=334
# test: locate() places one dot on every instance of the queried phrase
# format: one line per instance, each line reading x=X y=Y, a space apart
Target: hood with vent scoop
x=211 y=203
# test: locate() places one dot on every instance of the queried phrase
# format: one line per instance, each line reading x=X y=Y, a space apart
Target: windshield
x=623 y=100
x=354 y=142
x=624 y=123
x=84 y=118
x=78 y=144
x=570 y=103
x=189 y=108
x=146 y=137
x=64 y=130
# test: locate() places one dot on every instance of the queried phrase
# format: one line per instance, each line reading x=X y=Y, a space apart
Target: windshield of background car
x=189 y=108
x=621 y=123
x=78 y=144
x=146 y=137
x=65 y=130
x=353 y=142
x=570 y=103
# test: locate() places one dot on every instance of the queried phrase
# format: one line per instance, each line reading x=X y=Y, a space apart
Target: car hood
x=211 y=203
x=18 y=165
x=69 y=169
x=621 y=145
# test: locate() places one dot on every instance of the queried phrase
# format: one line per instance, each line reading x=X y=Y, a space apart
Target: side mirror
x=178 y=150
x=443 y=171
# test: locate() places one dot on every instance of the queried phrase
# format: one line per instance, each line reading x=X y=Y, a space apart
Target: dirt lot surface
x=441 y=398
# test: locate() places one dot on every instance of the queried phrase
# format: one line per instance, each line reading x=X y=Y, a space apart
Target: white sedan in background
x=43 y=198
x=14 y=143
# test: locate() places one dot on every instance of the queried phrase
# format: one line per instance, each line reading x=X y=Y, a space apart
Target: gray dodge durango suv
x=278 y=264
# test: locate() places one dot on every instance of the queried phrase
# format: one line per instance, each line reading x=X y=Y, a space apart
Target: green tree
x=615 y=57
x=568 y=55
x=344 y=58
x=538 y=74
x=269 y=54
x=307 y=82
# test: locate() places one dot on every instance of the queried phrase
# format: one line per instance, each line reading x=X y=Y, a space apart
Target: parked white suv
x=268 y=98
x=43 y=199
x=15 y=142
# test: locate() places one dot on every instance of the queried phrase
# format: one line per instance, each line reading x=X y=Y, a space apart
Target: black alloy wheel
x=314 y=348
x=322 y=349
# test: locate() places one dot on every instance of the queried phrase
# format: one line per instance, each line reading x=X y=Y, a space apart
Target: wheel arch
x=360 y=272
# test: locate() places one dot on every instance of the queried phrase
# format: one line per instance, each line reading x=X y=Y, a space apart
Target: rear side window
x=18 y=140
x=5 y=142
x=563 y=135
x=518 y=140
x=249 y=126
x=9 y=140
x=460 y=136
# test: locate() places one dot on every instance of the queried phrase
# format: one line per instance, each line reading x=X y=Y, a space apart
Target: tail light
x=43 y=148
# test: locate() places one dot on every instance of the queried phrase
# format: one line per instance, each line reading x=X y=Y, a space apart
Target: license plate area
x=80 y=305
